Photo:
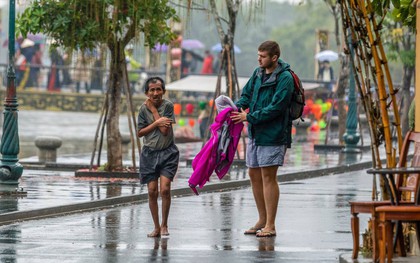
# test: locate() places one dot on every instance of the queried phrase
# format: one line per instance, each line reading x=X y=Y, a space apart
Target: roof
x=207 y=83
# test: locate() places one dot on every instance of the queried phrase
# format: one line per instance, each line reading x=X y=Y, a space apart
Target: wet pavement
x=313 y=222
x=313 y=225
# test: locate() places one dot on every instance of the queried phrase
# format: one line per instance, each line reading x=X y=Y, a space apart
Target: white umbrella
x=27 y=43
x=326 y=55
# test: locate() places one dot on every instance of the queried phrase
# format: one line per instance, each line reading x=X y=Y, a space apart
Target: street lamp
x=351 y=137
x=10 y=169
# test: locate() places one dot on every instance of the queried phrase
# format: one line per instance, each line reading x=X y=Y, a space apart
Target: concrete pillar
x=47 y=148
x=125 y=141
x=302 y=126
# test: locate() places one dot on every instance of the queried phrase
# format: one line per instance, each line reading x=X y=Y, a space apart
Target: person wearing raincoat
x=267 y=96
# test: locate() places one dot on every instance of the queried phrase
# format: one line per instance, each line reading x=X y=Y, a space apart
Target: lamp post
x=10 y=169
x=351 y=136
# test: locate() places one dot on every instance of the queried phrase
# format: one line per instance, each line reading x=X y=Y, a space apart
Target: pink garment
x=218 y=153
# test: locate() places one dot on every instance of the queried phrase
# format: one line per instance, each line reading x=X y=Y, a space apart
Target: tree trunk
x=114 y=152
x=406 y=97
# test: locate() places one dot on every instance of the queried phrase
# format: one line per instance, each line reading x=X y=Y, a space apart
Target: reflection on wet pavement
x=312 y=226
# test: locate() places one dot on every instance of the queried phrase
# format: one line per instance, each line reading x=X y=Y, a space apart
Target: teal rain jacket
x=268 y=104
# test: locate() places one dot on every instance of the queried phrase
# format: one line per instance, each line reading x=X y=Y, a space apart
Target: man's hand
x=238 y=117
x=163 y=122
x=150 y=105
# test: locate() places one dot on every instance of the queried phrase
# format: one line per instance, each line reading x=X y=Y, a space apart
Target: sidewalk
x=313 y=225
x=106 y=220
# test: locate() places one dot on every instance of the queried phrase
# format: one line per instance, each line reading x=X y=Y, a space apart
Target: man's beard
x=271 y=65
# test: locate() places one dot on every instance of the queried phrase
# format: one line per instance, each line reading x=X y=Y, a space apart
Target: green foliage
x=405 y=12
x=298 y=39
x=83 y=24
x=398 y=36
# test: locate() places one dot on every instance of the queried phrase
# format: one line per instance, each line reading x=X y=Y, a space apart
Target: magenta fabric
x=213 y=159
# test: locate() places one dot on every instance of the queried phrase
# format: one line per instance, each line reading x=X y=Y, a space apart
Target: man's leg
x=152 y=188
x=271 y=196
x=165 y=193
x=257 y=189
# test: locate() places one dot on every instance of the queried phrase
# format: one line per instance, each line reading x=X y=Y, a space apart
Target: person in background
x=67 y=61
x=267 y=96
x=159 y=156
x=203 y=119
x=217 y=62
x=36 y=64
x=54 y=80
x=207 y=63
x=97 y=75
x=326 y=74
x=82 y=73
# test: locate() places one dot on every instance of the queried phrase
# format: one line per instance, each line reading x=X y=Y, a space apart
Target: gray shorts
x=154 y=163
x=263 y=156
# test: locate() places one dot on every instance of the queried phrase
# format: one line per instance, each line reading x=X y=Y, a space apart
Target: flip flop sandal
x=252 y=231
x=153 y=235
x=266 y=234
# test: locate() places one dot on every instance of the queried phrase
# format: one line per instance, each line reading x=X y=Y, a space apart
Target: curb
x=17 y=216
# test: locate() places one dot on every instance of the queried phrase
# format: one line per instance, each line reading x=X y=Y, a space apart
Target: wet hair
x=153 y=80
x=272 y=47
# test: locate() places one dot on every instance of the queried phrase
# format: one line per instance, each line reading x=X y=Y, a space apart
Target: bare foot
x=154 y=233
x=164 y=231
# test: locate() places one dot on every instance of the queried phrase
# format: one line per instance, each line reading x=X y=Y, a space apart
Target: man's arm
x=162 y=123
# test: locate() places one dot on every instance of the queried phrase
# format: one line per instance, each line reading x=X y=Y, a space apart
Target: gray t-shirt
x=156 y=140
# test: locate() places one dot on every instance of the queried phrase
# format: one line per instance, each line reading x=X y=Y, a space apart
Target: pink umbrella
x=186 y=44
x=192 y=44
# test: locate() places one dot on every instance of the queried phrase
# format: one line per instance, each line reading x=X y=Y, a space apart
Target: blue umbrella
x=218 y=48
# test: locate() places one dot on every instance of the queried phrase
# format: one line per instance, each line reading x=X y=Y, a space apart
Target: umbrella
x=192 y=44
x=193 y=54
x=160 y=47
x=186 y=44
x=37 y=38
x=218 y=48
x=27 y=43
x=326 y=55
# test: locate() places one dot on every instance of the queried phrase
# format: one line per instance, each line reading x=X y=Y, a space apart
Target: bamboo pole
x=381 y=88
x=229 y=70
x=391 y=89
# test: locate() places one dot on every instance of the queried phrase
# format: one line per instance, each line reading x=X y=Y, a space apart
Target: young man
x=267 y=96
x=160 y=156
